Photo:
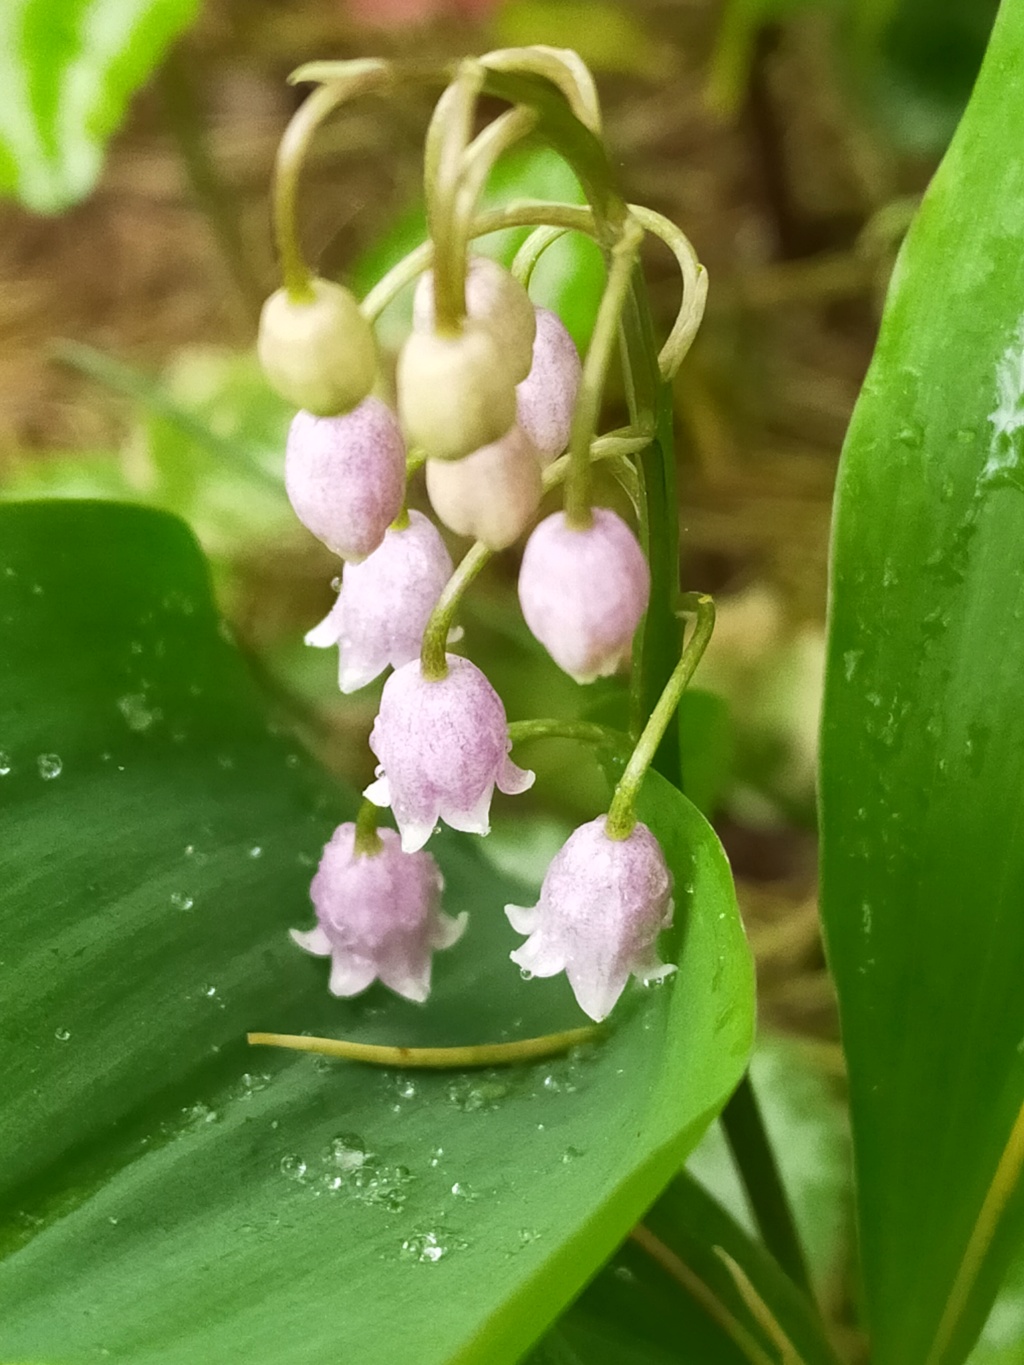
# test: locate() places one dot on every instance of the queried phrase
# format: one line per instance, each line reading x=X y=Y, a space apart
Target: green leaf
x=809 y=1134
x=680 y=1301
x=181 y=1197
x=67 y=71
x=923 y=746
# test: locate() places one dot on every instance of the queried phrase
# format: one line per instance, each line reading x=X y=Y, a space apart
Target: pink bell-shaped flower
x=345 y=476
x=583 y=592
x=602 y=905
x=385 y=602
x=491 y=495
x=378 y=916
x=546 y=398
x=442 y=748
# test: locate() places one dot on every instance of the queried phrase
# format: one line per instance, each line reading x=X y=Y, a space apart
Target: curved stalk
x=447 y=139
x=367 y=841
x=595 y=372
x=358 y=78
x=584 y=731
x=622 y=812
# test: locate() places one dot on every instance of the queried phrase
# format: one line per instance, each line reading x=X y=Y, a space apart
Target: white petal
x=350 y=975
x=446 y=931
x=512 y=780
x=415 y=833
x=354 y=674
x=596 y=992
x=523 y=918
x=476 y=820
x=403 y=980
x=327 y=633
x=313 y=941
x=379 y=792
x=539 y=956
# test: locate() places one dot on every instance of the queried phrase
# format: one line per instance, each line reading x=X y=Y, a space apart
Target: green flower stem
x=695 y=289
x=447 y=139
x=752 y=1152
x=437 y=1058
x=433 y=660
x=585 y=731
x=622 y=812
x=355 y=78
x=526 y=258
x=595 y=372
x=433 y=656
x=478 y=161
x=367 y=841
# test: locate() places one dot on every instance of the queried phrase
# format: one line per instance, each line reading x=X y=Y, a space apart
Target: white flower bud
x=455 y=393
x=495 y=298
x=319 y=353
x=492 y=495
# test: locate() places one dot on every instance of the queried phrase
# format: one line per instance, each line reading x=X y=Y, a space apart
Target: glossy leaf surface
x=67 y=71
x=923 y=744
x=181 y=1197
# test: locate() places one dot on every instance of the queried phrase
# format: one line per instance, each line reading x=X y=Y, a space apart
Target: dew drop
x=349 y=1152
x=293 y=1167
x=181 y=900
x=137 y=712
x=50 y=766
x=463 y=1191
x=62 y=1034
x=256 y=851
x=5 y=763
x=424 y=1247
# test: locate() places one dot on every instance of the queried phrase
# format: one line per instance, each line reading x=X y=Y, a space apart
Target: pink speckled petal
x=513 y=780
x=475 y=820
x=539 y=956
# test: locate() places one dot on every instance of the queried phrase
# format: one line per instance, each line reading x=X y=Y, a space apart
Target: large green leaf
x=179 y=1197
x=922 y=786
x=67 y=71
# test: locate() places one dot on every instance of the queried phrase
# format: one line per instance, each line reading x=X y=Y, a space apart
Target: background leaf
x=67 y=71
x=181 y=1197
x=923 y=740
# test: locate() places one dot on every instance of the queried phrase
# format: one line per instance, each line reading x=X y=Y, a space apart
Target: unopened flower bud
x=583 y=592
x=602 y=905
x=455 y=393
x=345 y=476
x=385 y=602
x=491 y=495
x=378 y=916
x=546 y=398
x=319 y=353
x=495 y=298
x=443 y=747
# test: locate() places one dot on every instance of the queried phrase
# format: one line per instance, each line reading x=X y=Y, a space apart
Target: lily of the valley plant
x=492 y=396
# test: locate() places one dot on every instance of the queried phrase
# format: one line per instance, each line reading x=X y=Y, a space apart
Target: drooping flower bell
x=442 y=748
x=455 y=393
x=583 y=592
x=345 y=476
x=491 y=495
x=494 y=298
x=546 y=398
x=385 y=602
x=378 y=916
x=602 y=905
x=318 y=352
